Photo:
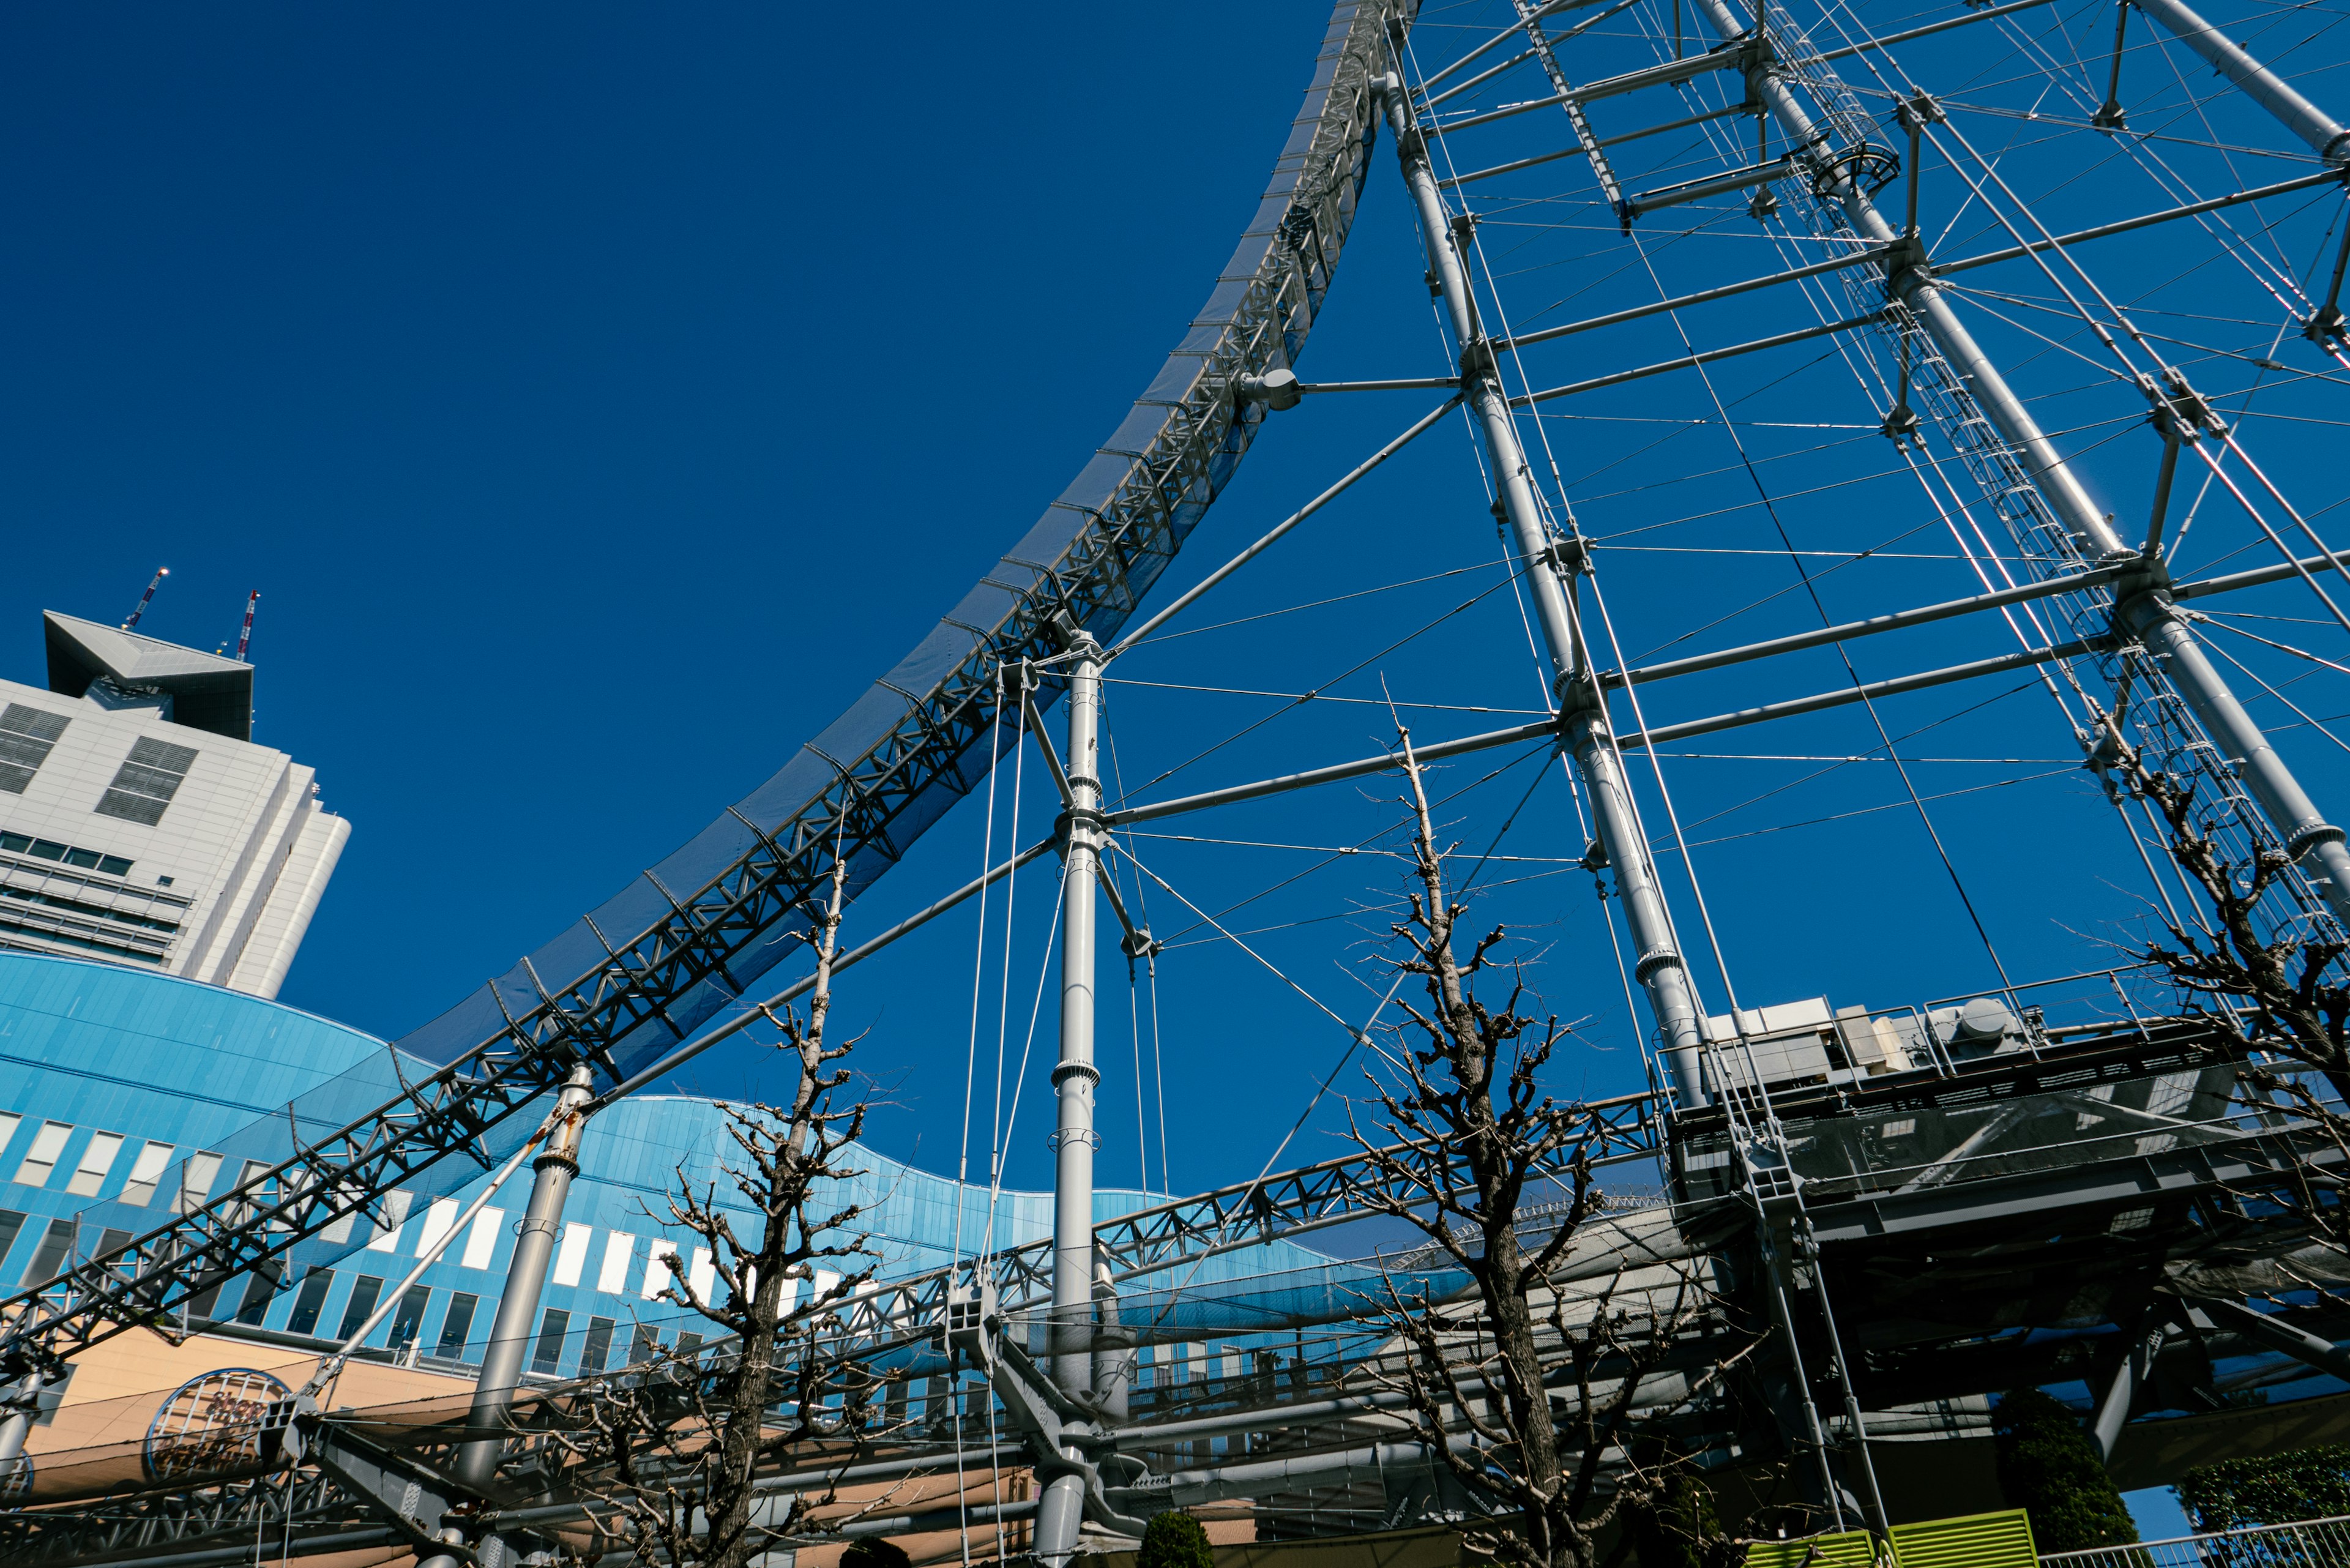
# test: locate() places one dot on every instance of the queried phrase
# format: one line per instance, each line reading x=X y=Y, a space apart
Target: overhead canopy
x=207 y=691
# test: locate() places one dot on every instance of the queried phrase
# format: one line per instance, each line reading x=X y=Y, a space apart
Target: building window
x=407 y=1317
x=253 y=1195
x=196 y=1181
x=145 y=783
x=552 y=1327
x=598 y=1349
x=8 y=1120
x=361 y=1306
x=619 y=1251
x=96 y=1161
x=49 y=1257
x=455 y=1325
x=386 y=1233
x=310 y=1301
x=260 y=1289
x=646 y=1345
x=26 y=736
x=687 y=1344
x=482 y=1237
x=108 y=1240
x=42 y=1157
x=146 y=1172
x=10 y=1222
x=49 y=849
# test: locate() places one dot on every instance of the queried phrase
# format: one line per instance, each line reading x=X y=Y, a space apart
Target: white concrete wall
x=244 y=841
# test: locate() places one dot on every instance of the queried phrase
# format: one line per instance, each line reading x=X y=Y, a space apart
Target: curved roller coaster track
x=1921 y=386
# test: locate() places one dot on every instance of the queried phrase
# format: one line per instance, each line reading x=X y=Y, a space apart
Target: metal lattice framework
x=1782 y=1183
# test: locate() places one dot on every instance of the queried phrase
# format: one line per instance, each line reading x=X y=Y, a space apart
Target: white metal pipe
x=1660 y=967
x=22 y=1402
x=2324 y=134
x=1074 y=1074
x=476 y=1464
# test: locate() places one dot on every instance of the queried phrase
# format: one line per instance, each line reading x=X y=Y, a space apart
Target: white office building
x=140 y=824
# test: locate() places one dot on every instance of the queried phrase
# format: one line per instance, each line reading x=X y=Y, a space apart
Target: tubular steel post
x=2111 y=117
x=2146 y=612
x=1662 y=970
x=477 y=1462
x=2324 y=134
x=1060 y=1510
x=2327 y=319
x=18 y=1405
x=1074 y=1075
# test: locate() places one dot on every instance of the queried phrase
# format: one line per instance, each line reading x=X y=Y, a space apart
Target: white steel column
x=2146 y=612
x=1074 y=1075
x=2324 y=134
x=477 y=1462
x=1060 y=1510
x=1661 y=970
x=19 y=1402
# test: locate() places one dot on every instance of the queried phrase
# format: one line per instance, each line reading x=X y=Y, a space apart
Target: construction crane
x=245 y=638
x=144 y=599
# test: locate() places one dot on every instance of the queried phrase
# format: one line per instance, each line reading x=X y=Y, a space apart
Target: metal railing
x=2311 y=1543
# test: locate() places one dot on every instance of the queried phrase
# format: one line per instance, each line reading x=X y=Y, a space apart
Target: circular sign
x=212 y=1423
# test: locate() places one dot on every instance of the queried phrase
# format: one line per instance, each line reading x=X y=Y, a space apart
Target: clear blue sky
x=601 y=397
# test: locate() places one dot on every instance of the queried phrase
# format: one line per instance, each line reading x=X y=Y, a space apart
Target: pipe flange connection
x=2138 y=607
x=1085 y=1136
x=1654 y=959
x=1579 y=699
x=1077 y=816
x=1085 y=1070
x=2310 y=836
x=1759 y=61
x=1477 y=361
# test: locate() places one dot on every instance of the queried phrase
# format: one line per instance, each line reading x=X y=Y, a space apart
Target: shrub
x=1174 y=1540
x=2273 y=1488
x=2048 y=1468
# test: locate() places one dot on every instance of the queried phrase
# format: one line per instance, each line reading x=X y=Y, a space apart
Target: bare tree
x=2281 y=988
x=1465 y=1131
x=2296 y=1010
x=671 y=1452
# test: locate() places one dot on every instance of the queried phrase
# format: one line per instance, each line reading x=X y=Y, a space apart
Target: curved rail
x=685 y=938
x=643 y=970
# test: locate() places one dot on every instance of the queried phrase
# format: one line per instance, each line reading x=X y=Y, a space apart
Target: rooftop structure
x=140 y=824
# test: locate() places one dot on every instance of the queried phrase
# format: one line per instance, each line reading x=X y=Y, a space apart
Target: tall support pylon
x=1060 y=1510
x=477 y=1462
x=1662 y=971
x=2144 y=607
